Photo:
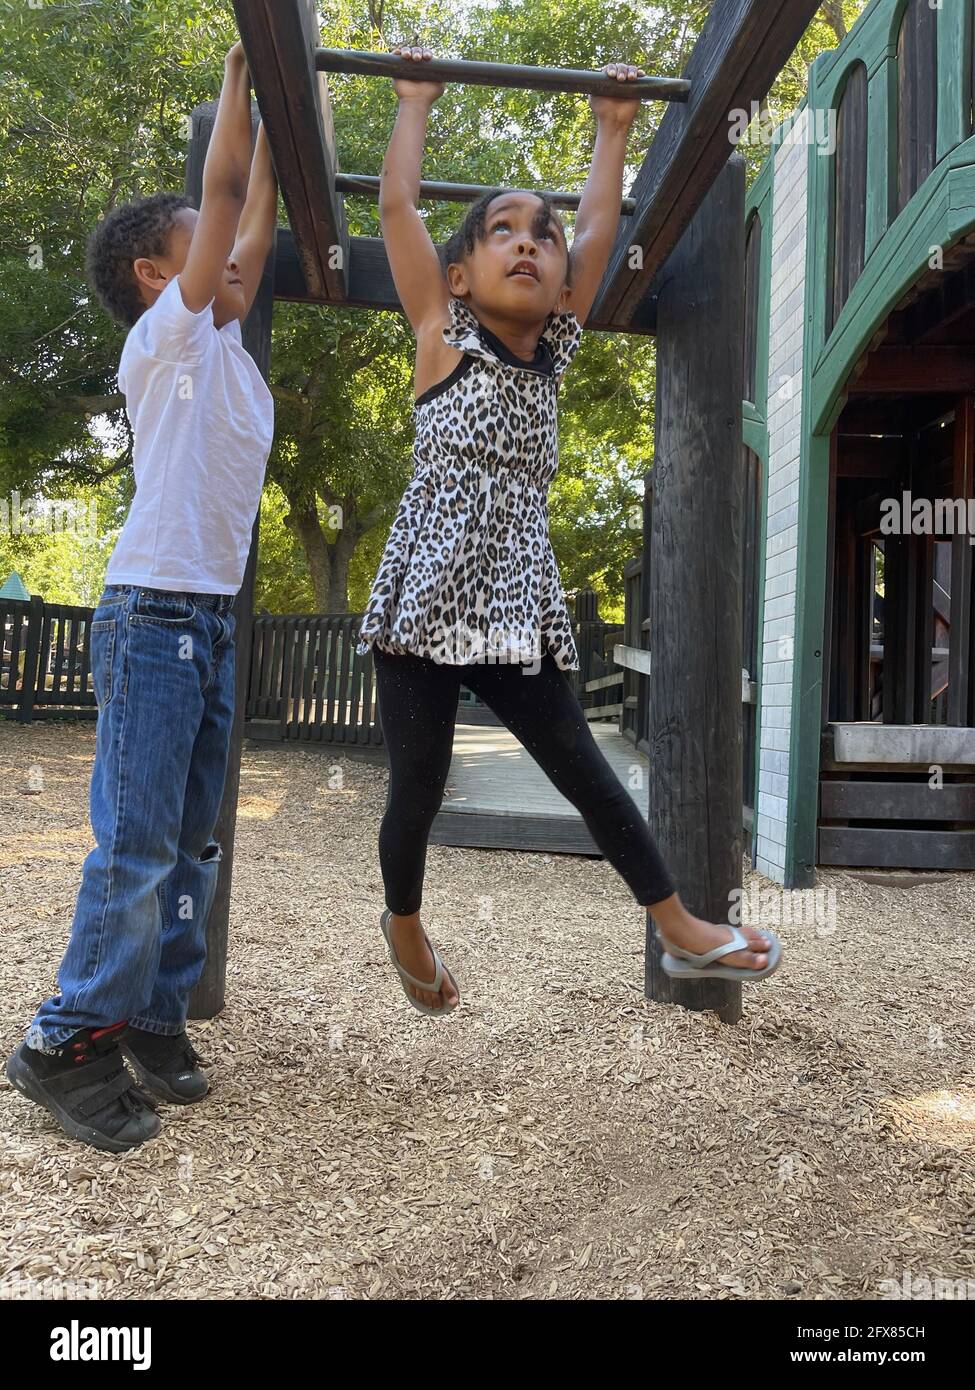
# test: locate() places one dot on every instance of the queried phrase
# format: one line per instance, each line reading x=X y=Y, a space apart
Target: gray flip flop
x=685 y=965
x=431 y=986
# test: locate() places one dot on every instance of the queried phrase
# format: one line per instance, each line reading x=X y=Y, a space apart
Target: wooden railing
x=308 y=683
x=44 y=659
x=305 y=683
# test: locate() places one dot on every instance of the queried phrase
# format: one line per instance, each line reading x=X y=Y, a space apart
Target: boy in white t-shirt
x=162 y=640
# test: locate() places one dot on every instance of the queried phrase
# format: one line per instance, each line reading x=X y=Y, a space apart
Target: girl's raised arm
x=413 y=260
x=599 y=207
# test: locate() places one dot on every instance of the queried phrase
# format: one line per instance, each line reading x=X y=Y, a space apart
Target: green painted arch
x=939 y=215
x=897 y=16
x=838 y=97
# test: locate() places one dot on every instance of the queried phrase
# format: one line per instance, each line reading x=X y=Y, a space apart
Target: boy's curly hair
x=473 y=228
x=139 y=228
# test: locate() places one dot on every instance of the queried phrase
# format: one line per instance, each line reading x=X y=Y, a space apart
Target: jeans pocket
x=102 y=657
x=160 y=606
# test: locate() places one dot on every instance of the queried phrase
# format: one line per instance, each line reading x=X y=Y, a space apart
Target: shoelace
x=190 y=1056
x=182 y=1050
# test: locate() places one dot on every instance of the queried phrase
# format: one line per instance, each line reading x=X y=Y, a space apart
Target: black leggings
x=417 y=699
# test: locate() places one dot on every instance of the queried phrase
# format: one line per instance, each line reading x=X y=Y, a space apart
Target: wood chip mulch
x=558 y=1137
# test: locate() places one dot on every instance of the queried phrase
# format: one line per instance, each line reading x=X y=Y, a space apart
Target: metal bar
x=368 y=184
x=352 y=60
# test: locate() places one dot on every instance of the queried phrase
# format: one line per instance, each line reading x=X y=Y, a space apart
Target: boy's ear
x=148 y=277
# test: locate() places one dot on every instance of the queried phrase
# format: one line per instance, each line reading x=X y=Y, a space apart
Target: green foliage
x=61 y=547
x=95 y=112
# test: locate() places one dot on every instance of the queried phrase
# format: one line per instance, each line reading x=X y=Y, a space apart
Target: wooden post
x=961 y=678
x=208 y=997
x=695 y=592
x=33 y=663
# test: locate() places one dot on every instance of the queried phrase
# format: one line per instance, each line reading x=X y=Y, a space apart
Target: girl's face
x=519 y=268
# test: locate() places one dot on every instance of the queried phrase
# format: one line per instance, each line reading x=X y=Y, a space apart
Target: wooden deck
x=497 y=797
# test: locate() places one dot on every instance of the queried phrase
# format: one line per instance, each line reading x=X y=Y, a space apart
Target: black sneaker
x=87 y=1089
x=168 y=1065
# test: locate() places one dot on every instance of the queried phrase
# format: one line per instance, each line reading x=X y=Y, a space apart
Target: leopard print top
x=468 y=573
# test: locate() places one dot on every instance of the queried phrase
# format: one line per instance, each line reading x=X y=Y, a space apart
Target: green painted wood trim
x=942 y=211
x=759 y=203
x=807 y=671
x=867 y=40
x=881 y=152
x=754 y=435
x=807 y=676
x=755 y=430
x=954 y=74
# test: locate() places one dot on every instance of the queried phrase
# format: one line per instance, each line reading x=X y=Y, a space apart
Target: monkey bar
x=351 y=60
x=368 y=186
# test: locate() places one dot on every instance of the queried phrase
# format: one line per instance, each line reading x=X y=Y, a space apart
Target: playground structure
x=860 y=374
x=686 y=216
x=688 y=204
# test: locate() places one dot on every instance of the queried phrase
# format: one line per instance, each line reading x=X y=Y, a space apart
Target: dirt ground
x=558 y=1137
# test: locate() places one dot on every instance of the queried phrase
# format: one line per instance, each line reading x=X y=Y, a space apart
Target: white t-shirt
x=203 y=420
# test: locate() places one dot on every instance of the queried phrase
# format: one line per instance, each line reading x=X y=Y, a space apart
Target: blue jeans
x=163 y=671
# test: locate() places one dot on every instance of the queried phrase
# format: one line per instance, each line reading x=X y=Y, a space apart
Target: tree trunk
x=304 y=523
x=833 y=15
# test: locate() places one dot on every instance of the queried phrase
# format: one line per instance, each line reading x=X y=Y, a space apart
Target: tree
x=108 y=121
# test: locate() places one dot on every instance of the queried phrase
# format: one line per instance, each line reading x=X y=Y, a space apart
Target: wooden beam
x=742 y=48
x=896 y=801
x=351 y=60
x=280 y=38
x=953 y=296
x=370 y=281
x=368 y=186
x=897 y=849
x=919 y=370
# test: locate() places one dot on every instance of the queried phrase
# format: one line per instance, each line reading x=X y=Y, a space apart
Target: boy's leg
x=186 y=894
x=148 y=680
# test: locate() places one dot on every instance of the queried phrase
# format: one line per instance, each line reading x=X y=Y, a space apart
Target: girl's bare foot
x=695 y=934
x=410 y=944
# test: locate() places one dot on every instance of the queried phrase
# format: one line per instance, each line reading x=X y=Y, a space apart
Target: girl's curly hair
x=139 y=228
x=473 y=228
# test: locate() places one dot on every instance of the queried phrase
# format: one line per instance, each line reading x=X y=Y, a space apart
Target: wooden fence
x=306 y=682
x=44 y=659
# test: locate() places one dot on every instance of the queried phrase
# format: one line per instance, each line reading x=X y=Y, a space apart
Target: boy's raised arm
x=255 y=234
x=225 y=175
